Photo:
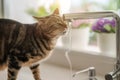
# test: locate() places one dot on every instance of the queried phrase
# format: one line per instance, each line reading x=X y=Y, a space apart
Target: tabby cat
x=27 y=44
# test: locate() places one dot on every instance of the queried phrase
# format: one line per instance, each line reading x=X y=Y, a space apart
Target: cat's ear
x=56 y=11
x=37 y=18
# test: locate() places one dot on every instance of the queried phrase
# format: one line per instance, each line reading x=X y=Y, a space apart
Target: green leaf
x=31 y=11
x=113 y=30
x=84 y=25
x=107 y=27
x=54 y=5
x=42 y=11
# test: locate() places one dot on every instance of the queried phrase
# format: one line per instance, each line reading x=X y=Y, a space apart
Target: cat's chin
x=65 y=32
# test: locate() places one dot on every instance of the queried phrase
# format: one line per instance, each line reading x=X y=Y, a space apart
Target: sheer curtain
x=17 y=10
x=118 y=6
x=1 y=9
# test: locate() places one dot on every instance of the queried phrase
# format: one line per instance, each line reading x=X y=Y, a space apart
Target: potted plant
x=106 y=37
x=79 y=34
x=42 y=10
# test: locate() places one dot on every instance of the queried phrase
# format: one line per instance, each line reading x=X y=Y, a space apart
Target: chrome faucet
x=113 y=75
x=94 y=15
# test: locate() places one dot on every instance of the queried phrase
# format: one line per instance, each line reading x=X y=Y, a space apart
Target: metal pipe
x=95 y=15
x=112 y=75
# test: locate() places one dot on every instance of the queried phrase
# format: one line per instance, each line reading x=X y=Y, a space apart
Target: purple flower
x=113 y=23
x=104 y=25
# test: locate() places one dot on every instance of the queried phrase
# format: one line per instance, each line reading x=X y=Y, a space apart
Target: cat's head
x=52 y=25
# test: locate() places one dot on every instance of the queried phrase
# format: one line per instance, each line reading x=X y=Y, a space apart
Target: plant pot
x=107 y=44
x=79 y=39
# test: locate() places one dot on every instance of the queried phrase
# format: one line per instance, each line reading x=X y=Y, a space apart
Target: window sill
x=93 y=50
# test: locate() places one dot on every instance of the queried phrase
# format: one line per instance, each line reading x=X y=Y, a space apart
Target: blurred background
x=23 y=10
x=87 y=47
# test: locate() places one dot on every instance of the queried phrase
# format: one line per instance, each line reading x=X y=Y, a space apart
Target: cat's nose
x=65 y=26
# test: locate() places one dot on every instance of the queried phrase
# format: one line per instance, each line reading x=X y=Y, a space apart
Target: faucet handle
x=91 y=73
x=81 y=71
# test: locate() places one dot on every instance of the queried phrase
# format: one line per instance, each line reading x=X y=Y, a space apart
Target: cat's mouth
x=65 y=32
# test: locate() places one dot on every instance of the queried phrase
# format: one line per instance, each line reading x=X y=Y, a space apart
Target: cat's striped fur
x=26 y=44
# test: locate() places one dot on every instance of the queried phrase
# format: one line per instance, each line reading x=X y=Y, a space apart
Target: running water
x=68 y=49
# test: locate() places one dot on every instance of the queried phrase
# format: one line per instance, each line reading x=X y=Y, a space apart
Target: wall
x=17 y=9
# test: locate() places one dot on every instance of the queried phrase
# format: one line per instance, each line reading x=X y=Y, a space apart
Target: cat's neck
x=43 y=34
x=39 y=33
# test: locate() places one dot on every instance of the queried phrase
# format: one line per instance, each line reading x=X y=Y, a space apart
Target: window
x=23 y=11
